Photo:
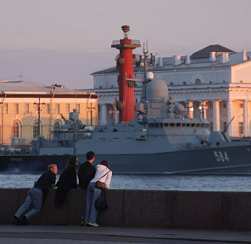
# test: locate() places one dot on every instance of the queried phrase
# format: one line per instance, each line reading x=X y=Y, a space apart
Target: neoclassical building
x=20 y=102
x=214 y=80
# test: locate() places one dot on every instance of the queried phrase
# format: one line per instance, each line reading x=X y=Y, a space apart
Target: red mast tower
x=126 y=88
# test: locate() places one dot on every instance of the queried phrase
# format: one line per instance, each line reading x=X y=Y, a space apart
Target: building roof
x=198 y=60
x=116 y=70
x=205 y=52
x=36 y=89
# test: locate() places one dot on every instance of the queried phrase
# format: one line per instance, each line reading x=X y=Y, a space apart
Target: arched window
x=16 y=129
x=56 y=126
x=197 y=82
x=35 y=130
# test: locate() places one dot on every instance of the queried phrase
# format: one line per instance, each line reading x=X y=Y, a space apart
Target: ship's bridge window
x=183 y=124
x=197 y=125
x=202 y=125
x=207 y=125
x=150 y=125
x=166 y=124
x=160 y=125
x=192 y=125
x=172 y=124
x=178 y=124
x=188 y=125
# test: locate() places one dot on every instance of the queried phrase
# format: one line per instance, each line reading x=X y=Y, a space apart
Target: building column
x=116 y=115
x=229 y=117
x=103 y=114
x=216 y=115
x=191 y=109
x=245 y=118
x=204 y=107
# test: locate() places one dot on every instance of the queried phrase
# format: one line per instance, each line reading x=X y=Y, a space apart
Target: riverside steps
x=142 y=209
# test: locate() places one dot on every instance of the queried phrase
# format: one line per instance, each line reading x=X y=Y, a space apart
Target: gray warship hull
x=225 y=160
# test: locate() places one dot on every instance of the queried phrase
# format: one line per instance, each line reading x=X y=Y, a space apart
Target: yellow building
x=19 y=109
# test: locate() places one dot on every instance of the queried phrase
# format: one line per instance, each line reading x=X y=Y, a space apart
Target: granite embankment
x=136 y=208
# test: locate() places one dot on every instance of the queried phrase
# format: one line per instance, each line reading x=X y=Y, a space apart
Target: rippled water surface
x=160 y=182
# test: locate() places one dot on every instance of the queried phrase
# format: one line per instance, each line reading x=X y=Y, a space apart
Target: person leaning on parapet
x=104 y=175
x=86 y=171
x=67 y=181
x=36 y=195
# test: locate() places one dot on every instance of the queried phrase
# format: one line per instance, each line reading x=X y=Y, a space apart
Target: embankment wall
x=138 y=208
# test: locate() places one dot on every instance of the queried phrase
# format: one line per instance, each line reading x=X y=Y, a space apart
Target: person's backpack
x=100 y=203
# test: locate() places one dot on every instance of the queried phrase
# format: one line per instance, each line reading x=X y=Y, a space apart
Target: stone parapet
x=141 y=208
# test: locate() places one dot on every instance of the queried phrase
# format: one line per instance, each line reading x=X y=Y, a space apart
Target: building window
x=16 y=129
x=210 y=82
x=171 y=83
x=241 y=81
x=224 y=81
x=26 y=108
x=57 y=108
x=184 y=83
x=47 y=108
x=211 y=106
x=224 y=105
x=241 y=105
x=56 y=126
x=67 y=108
x=35 y=130
x=16 y=108
x=240 y=128
x=197 y=82
x=78 y=107
x=5 y=108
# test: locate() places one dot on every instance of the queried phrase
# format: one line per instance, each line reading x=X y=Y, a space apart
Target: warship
x=161 y=139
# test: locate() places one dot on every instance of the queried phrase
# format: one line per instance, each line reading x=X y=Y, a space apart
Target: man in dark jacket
x=35 y=195
x=86 y=171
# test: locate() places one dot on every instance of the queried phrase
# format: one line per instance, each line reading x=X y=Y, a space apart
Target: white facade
x=220 y=81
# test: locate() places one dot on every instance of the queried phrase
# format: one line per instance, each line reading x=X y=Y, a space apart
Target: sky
x=64 y=41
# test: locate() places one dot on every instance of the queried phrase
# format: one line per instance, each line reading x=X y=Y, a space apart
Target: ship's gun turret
x=67 y=124
x=65 y=120
x=76 y=123
x=73 y=123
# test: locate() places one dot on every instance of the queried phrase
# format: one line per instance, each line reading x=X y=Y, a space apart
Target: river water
x=156 y=182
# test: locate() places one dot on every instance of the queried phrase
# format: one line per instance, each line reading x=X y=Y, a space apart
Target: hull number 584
x=221 y=156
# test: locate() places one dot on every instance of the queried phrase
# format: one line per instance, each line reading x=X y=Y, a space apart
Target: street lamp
x=91 y=110
x=39 y=109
